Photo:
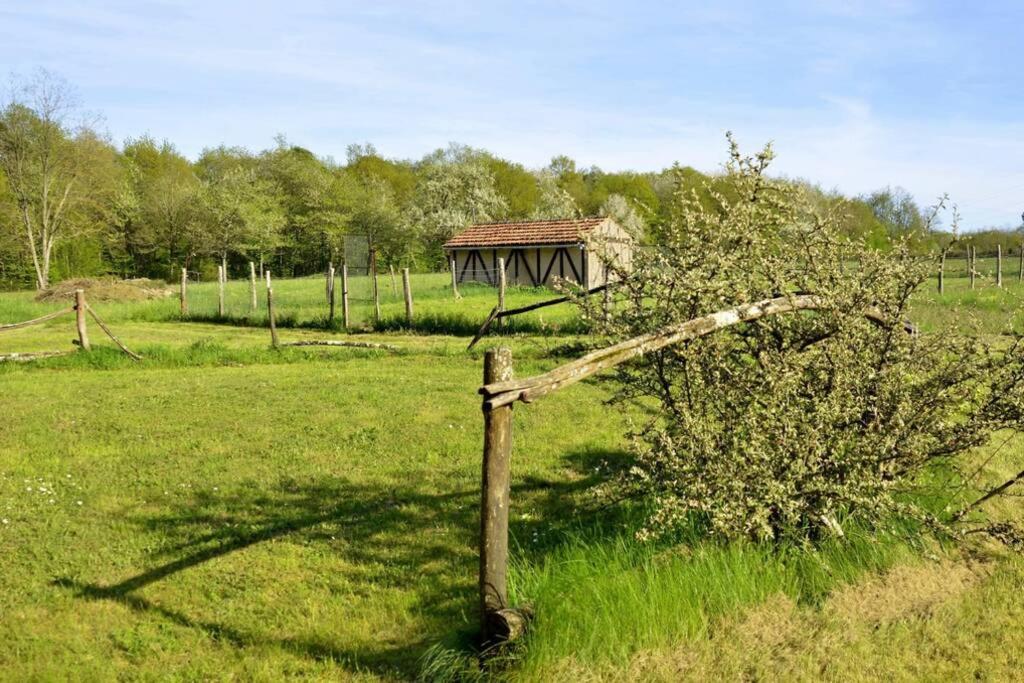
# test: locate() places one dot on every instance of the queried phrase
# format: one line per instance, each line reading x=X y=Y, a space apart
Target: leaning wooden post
x=270 y=314
x=376 y=291
x=252 y=287
x=455 y=282
x=330 y=293
x=999 y=265
x=344 y=294
x=494 y=500
x=501 y=290
x=220 y=291
x=183 y=295
x=1020 y=270
x=407 y=290
x=83 y=334
x=942 y=266
x=394 y=285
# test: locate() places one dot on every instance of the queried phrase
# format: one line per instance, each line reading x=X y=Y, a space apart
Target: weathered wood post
x=220 y=291
x=999 y=265
x=1020 y=270
x=495 y=499
x=455 y=281
x=394 y=285
x=501 y=291
x=252 y=287
x=330 y=294
x=973 y=259
x=327 y=281
x=344 y=294
x=83 y=334
x=942 y=266
x=267 y=274
x=270 y=314
x=183 y=295
x=376 y=291
x=407 y=289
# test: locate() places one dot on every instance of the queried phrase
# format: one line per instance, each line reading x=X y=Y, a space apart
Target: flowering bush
x=793 y=425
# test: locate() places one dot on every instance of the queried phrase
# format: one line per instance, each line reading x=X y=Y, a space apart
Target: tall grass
x=600 y=596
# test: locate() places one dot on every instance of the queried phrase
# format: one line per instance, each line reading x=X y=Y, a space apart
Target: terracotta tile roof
x=504 y=233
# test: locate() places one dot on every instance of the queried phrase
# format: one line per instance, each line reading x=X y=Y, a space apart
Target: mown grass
x=224 y=510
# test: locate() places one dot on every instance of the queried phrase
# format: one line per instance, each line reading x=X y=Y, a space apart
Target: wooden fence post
x=83 y=334
x=183 y=295
x=270 y=316
x=267 y=274
x=407 y=289
x=344 y=294
x=220 y=291
x=394 y=285
x=252 y=286
x=376 y=291
x=942 y=266
x=494 y=500
x=327 y=281
x=501 y=290
x=973 y=260
x=1020 y=271
x=999 y=265
x=330 y=294
x=455 y=282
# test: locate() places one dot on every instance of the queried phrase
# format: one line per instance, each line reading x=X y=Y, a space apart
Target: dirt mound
x=107 y=289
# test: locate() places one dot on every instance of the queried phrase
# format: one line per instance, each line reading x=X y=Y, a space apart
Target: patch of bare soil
x=107 y=289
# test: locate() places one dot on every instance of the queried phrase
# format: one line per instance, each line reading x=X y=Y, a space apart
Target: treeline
x=72 y=203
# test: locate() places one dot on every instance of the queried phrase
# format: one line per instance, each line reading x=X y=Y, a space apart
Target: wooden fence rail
x=80 y=308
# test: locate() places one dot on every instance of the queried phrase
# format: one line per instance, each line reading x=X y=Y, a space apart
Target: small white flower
x=78 y=502
x=5 y=520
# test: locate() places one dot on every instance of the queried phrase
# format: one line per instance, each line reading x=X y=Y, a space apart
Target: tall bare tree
x=45 y=157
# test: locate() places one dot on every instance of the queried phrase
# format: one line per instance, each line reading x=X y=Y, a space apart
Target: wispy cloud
x=855 y=95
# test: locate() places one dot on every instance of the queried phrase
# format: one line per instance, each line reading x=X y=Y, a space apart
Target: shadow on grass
x=387 y=536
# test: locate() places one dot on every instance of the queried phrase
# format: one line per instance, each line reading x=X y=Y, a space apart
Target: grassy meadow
x=224 y=511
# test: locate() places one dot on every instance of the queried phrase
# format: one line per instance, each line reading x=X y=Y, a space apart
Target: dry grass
x=107 y=289
x=895 y=626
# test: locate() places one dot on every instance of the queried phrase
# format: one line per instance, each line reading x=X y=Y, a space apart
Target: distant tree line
x=72 y=203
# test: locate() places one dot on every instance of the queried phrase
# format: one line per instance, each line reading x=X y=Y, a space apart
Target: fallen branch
x=131 y=354
x=353 y=344
x=36 y=321
x=29 y=356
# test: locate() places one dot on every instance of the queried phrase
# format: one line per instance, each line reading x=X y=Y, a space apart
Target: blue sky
x=854 y=95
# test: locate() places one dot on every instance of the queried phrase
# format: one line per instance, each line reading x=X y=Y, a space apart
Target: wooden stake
x=330 y=293
x=183 y=295
x=394 y=285
x=376 y=291
x=1020 y=271
x=344 y=295
x=494 y=500
x=942 y=266
x=407 y=289
x=999 y=265
x=327 y=281
x=501 y=290
x=252 y=287
x=455 y=282
x=220 y=291
x=83 y=334
x=270 y=317
x=267 y=274
x=974 y=263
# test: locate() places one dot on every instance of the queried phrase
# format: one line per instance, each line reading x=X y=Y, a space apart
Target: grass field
x=221 y=511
